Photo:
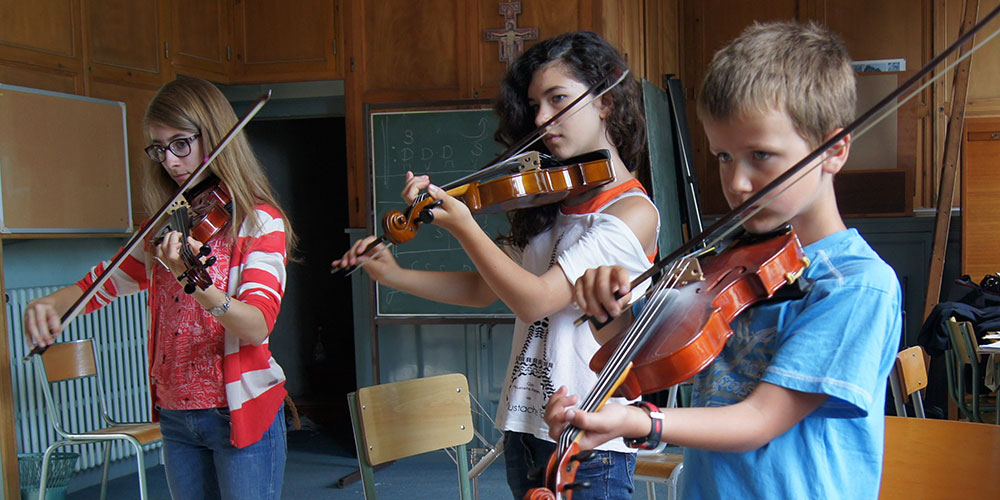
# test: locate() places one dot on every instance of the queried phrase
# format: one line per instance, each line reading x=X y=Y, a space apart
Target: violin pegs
x=580 y=485
x=204 y=251
x=189 y=288
x=583 y=456
x=209 y=262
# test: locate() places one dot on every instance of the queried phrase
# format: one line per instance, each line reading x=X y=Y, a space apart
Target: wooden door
x=980 y=197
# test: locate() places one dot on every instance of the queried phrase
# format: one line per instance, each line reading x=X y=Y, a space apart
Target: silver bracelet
x=218 y=311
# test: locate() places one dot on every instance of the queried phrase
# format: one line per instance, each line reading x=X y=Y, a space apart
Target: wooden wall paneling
x=136 y=99
x=124 y=41
x=984 y=94
x=888 y=30
x=273 y=43
x=198 y=43
x=35 y=77
x=46 y=34
x=703 y=32
x=413 y=51
x=353 y=117
x=551 y=18
x=662 y=39
x=980 y=197
x=621 y=23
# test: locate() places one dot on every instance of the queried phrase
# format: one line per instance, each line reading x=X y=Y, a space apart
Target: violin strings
x=626 y=350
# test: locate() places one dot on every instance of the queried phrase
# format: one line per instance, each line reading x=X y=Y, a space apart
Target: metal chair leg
x=141 y=462
x=104 y=475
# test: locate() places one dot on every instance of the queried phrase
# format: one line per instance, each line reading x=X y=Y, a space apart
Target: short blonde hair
x=801 y=69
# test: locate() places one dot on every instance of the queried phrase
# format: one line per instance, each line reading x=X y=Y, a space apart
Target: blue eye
x=761 y=155
x=724 y=157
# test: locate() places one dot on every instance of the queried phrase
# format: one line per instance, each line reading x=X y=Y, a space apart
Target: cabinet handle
x=166 y=50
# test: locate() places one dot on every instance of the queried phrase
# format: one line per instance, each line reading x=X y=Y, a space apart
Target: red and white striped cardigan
x=254 y=383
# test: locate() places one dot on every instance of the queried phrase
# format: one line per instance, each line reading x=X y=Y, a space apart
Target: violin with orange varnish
x=702 y=287
x=157 y=221
x=209 y=211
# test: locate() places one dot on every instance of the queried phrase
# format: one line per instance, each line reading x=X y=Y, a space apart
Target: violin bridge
x=687 y=271
x=529 y=161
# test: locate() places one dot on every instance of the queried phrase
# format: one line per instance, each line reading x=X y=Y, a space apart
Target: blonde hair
x=197 y=106
x=800 y=69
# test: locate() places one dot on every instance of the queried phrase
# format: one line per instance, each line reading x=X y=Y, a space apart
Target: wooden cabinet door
x=124 y=41
x=198 y=44
x=286 y=41
x=42 y=33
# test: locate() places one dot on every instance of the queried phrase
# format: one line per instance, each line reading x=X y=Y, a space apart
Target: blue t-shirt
x=840 y=340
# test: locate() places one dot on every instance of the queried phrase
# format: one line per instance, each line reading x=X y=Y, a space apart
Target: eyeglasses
x=180 y=147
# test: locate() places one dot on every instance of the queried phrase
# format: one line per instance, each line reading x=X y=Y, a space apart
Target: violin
x=702 y=294
x=681 y=329
x=535 y=182
x=539 y=182
x=209 y=211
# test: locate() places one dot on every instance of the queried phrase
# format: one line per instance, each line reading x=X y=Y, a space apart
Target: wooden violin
x=540 y=182
x=535 y=182
x=209 y=211
x=682 y=327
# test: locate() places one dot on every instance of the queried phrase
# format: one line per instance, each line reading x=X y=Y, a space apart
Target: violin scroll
x=560 y=475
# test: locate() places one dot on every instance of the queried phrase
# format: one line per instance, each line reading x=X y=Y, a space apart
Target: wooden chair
x=960 y=355
x=69 y=361
x=907 y=379
x=402 y=419
x=662 y=468
x=933 y=459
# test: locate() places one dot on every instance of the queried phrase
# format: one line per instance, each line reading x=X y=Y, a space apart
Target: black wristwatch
x=652 y=440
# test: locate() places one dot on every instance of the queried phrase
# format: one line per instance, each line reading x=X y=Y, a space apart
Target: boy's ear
x=837 y=154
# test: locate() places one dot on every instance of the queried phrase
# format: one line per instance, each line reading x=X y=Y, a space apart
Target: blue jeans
x=608 y=472
x=201 y=463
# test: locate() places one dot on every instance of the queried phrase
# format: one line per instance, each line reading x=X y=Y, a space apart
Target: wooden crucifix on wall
x=510 y=37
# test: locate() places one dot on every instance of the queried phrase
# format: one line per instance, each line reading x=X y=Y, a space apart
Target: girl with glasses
x=216 y=389
x=548 y=248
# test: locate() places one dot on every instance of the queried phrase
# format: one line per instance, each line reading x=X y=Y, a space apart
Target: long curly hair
x=589 y=59
x=197 y=106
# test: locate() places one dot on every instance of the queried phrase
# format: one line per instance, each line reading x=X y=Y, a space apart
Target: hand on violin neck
x=451 y=214
x=414 y=185
x=611 y=422
x=603 y=292
x=170 y=252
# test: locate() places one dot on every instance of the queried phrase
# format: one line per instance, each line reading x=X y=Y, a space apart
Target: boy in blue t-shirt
x=793 y=406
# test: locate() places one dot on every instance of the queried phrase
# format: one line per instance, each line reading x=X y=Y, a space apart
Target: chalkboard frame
x=467 y=315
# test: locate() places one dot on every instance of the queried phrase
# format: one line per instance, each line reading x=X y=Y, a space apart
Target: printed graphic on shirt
x=740 y=366
x=533 y=374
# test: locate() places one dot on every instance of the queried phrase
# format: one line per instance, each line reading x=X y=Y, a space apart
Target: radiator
x=119 y=333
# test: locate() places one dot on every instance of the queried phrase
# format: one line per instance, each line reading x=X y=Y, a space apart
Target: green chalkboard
x=445 y=144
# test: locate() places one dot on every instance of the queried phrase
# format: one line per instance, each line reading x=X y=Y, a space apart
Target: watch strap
x=651 y=440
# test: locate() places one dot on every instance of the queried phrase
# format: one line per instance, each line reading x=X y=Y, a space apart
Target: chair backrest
x=930 y=458
x=963 y=340
x=69 y=360
x=406 y=418
x=911 y=370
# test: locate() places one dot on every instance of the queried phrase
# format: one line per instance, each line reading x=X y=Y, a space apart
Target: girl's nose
x=542 y=116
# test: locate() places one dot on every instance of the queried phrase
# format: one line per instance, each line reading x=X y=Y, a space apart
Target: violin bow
x=147 y=228
x=731 y=221
x=500 y=163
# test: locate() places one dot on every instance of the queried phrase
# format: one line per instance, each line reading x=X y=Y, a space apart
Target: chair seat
x=146 y=432
x=657 y=465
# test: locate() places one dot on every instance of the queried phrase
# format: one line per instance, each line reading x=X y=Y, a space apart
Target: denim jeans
x=201 y=463
x=608 y=472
